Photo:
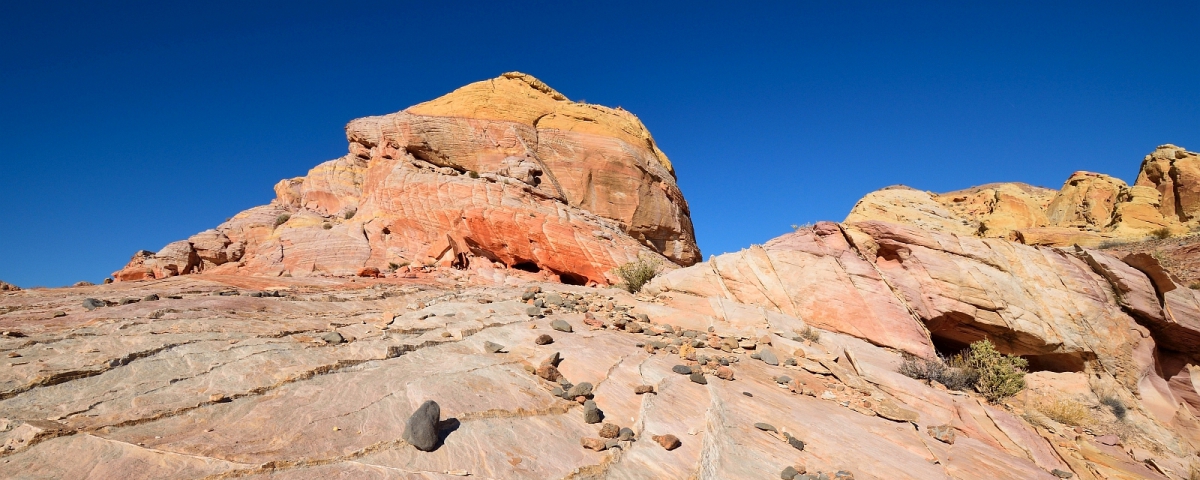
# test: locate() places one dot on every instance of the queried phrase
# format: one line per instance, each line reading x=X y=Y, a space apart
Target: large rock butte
x=505 y=172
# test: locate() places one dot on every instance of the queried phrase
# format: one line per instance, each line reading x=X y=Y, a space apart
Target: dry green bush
x=1161 y=233
x=952 y=372
x=1115 y=405
x=811 y=335
x=350 y=213
x=1000 y=376
x=1064 y=411
x=635 y=275
x=281 y=219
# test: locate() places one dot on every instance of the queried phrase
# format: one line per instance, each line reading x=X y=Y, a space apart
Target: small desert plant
x=326 y=226
x=635 y=275
x=472 y=174
x=811 y=335
x=1064 y=411
x=953 y=373
x=281 y=219
x=350 y=213
x=1160 y=233
x=1000 y=376
x=1110 y=244
x=393 y=266
x=1194 y=286
x=1115 y=405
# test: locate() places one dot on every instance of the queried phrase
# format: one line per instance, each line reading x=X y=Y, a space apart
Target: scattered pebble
x=783 y=379
x=766 y=427
x=582 y=389
x=625 y=435
x=591 y=443
x=768 y=357
x=543 y=339
x=92 y=304
x=724 y=373
x=641 y=389
x=682 y=369
x=794 y=442
x=492 y=347
x=592 y=413
x=748 y=394
x=609 y=430
x=668 y=441
x=549 y=372
x=789 y=473
x=561 y=325
x=333 y=338
x=697 y=377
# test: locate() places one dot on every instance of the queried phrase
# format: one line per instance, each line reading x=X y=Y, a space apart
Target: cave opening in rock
x=948 y=343
x=572 y=279
x=527 y=266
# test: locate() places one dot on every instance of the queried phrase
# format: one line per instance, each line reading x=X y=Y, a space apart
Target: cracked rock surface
x=218 y=379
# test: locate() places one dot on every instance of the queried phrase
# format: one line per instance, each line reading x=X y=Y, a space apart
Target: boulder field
x=436 y=304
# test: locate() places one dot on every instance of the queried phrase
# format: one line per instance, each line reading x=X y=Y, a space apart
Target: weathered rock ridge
x=505 y=172
x=1088 y=210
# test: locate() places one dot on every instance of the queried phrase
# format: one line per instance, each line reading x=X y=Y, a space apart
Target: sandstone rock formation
x=504 y=173
x=1088 y=210
x=8 y=287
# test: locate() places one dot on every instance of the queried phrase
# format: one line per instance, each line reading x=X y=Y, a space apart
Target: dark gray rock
x=592 y=413
x=151 y=298
x=794 y=442
x=561 y=325
x=843 y=475
x=789 y=473
x=256 y=294
x=783 y=379
x=748 y=394
x=539 y=303
x=581 y=389
x=530 y=293
x=559 y=392
x=492 y=347
x=642 y=318
x=533 y=311
x=543 y=339
x=697 y=377
x=421 y=429
x=92 y=304
x=333 y=337
x=791 y=362
x=1061 y=473
x=625 y=435
x=554 y=299
x=766 y=427
x=768 y=357
x=682 y=369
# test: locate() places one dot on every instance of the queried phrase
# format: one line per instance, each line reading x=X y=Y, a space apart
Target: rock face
x=1088 y=210
x=8 y=287
x=503 y=173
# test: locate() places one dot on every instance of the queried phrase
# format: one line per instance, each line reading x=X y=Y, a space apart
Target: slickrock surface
x=1089 y=209
x=229 y=376
x=499 y=176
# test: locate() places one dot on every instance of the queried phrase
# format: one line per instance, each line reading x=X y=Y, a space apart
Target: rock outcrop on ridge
x=1088 y=210
x=505 y=172
x=8 y=287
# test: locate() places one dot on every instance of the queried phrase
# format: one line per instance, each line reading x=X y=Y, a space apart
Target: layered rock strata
x=1089 y=209
x=505 y=172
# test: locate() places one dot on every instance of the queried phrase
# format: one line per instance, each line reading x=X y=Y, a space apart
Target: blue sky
x=132 y=124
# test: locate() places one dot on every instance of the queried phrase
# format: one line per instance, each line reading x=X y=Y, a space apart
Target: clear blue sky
x=128 y=126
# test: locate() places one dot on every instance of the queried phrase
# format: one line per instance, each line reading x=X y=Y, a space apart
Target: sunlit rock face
x=505 y=172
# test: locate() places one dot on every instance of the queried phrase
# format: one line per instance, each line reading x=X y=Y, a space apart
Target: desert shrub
x=635 y=275
x=281 y=219
x=1110 y=244
x=326 y=226
x=472 y=174
x=1115 y=405
x=1194 y=286
x=1000 y=376
x=350 y=213
x=393 y=266
x=811 y=335
x=1160 y=233
x=952 y=373
x=1064 y=411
